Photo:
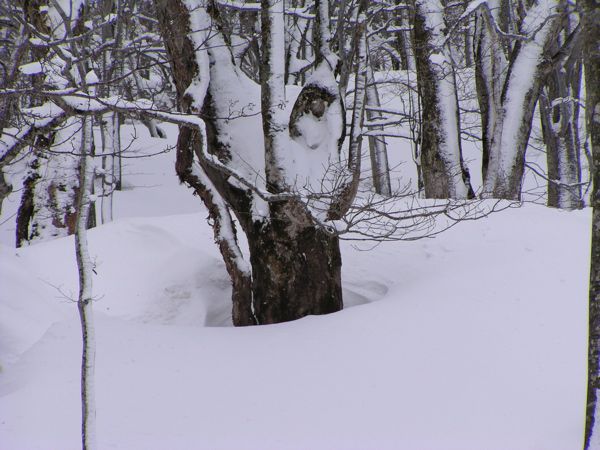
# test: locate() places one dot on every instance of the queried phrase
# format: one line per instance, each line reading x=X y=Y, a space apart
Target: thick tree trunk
x=444 y=173
x=295 y=264
x=508 y=144
x=295 y=272
x=47 y=208
x=591 y=52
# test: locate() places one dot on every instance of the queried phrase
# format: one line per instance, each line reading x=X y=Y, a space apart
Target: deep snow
x=473 y=340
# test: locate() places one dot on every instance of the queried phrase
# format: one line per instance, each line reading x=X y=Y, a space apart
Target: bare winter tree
x=559 y=113
x=85 y=298
x=513 y=55
x=295 y=262
x=49 y=194
x=119 y=40
x=14 y=38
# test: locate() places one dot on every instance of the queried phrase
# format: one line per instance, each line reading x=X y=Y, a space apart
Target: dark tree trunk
x=295 y=272
x=591 y=52
x=26 y=207
x=484 y=93
x=435 y=173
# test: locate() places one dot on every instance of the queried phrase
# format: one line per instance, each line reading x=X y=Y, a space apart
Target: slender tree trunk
x=295 y=28
x=84 y=302
x=111 y=123
x=591 y=52
x=557 y=113
x=348 y=192
x=403 y=37
x=377 y=146
x=111 y=144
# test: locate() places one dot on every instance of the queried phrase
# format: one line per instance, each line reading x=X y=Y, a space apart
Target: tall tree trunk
x=110 y=123
x=111 y=148
x=509 y=77
x=295 y=264
x=444 y=173
x=591 y=52
x=377 y=146
x=557 y=113
x=402 y=39
x=84 y=302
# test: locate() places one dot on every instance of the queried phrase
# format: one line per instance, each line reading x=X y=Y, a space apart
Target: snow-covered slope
x=473 y=340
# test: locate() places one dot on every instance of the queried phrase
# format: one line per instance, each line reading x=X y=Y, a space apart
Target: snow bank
x=477 y=341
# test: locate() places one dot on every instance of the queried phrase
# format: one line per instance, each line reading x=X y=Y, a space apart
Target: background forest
x=321 y=146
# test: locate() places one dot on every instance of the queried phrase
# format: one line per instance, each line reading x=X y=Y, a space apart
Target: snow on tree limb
x=41 y=119
x=521 y=84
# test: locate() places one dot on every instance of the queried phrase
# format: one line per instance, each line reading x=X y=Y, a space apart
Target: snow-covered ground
x=473 y=340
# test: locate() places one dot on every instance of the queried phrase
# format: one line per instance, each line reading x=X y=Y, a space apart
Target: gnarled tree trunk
x=295 y=271
x=295 y=264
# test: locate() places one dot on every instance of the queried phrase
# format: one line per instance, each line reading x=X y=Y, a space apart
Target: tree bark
x=84 y=302
x=591 y=26
x=296 y=271
x=377 y=146
x=49 y=192
x=444 y=173
x=557 y=114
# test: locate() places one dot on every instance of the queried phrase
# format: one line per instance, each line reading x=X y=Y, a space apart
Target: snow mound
x=477 y=341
